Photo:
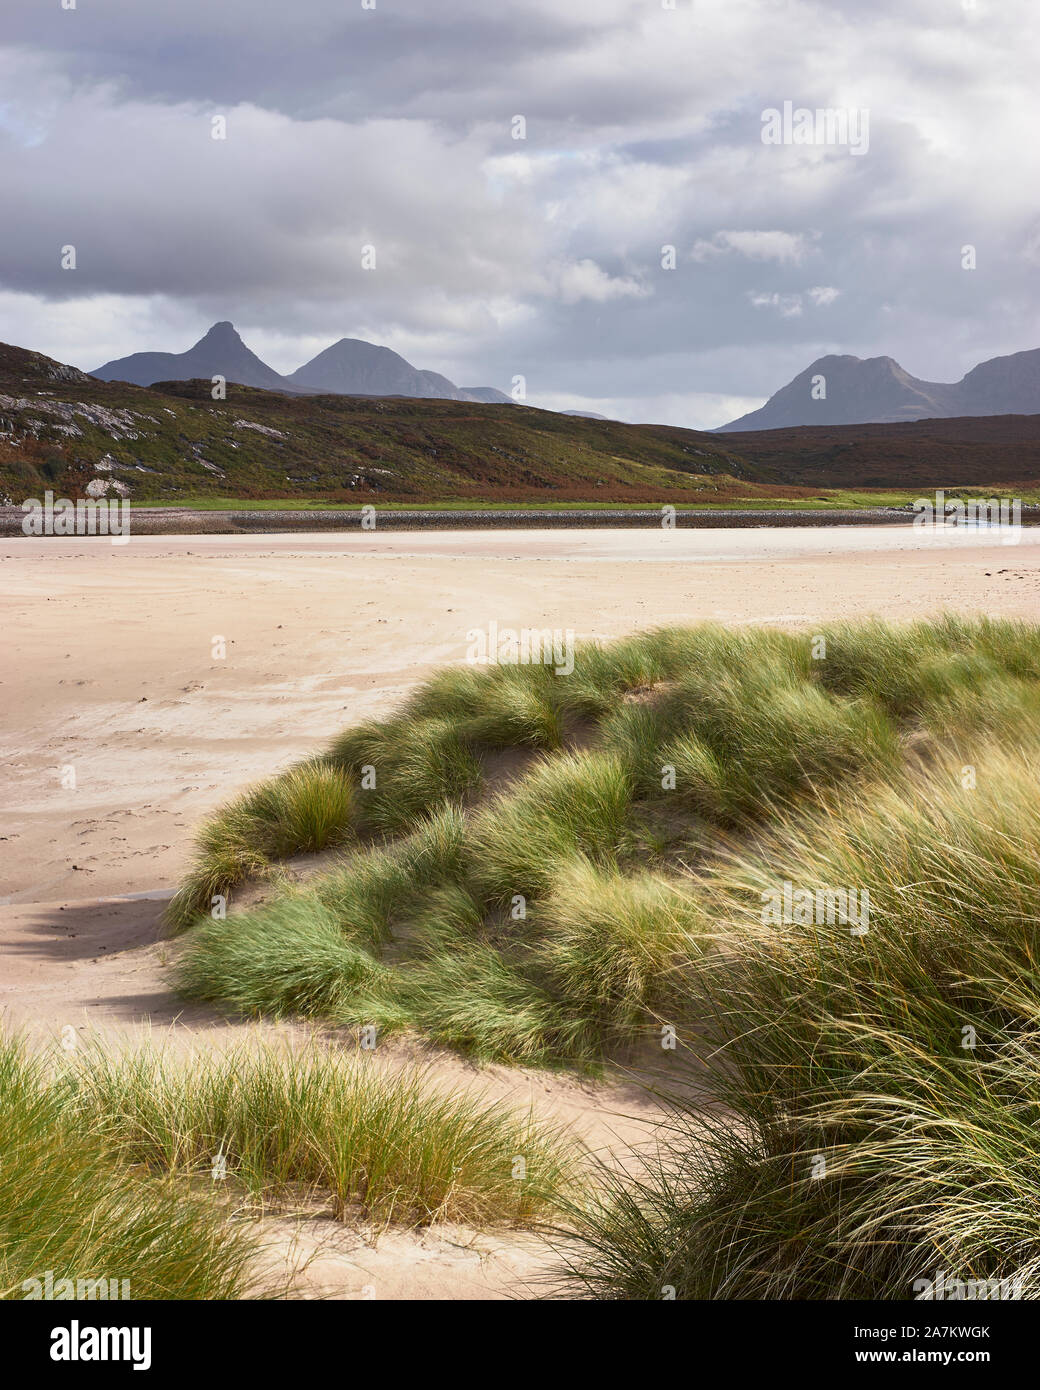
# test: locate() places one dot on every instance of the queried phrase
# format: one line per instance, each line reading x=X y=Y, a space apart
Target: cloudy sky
x=391 y=123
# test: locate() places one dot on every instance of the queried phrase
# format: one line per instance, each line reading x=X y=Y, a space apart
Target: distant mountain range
x=350 y=367
x=834 y=390
x=877 y=390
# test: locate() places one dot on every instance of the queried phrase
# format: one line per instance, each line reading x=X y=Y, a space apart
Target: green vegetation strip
x=827 y=499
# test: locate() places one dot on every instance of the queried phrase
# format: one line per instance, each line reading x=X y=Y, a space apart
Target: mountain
x=488 y=395
x=353 y=367
x=350 y=367
x=877 y=390
x=1002 y=386
x=221 y=352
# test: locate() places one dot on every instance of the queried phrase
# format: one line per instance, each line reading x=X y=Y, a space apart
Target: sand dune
x=122 y=727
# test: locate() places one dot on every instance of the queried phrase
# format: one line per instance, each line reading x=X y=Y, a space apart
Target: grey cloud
x=542 y=256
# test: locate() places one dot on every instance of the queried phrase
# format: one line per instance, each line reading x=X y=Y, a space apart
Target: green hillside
x=60 y=428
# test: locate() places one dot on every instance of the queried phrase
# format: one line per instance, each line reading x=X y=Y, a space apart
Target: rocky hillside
x=64 y=430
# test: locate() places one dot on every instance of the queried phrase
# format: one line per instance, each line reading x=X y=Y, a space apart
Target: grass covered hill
x=60 y=428
x=665 y=846
x=170 y=442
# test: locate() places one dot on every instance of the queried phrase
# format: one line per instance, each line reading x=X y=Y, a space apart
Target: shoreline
x=192 y=521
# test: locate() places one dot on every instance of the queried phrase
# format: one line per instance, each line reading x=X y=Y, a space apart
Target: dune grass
x=309 y=1123
x=308 y=808
x=576 y=803
x=867 y=1107
x=484 y=1004
x=68 y=1208
x=288 y=957
x=506 y=706
x=405 y=769
x=617 y=947
x=877 y=1094
x=149 y=1169
x=732 y=745
x=546 y=922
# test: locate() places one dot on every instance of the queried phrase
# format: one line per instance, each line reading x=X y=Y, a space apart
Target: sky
x=585 y=197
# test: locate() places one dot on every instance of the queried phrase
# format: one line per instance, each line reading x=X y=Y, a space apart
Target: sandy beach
x=110 y=665
x=121 y=727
